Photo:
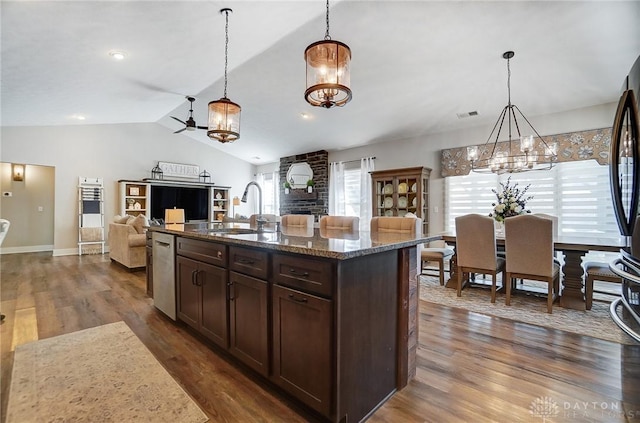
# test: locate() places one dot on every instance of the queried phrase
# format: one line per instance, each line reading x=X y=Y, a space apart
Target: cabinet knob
x=219 y=254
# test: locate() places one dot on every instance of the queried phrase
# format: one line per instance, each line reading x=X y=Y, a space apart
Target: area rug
x=595 y=322
x=102 y=374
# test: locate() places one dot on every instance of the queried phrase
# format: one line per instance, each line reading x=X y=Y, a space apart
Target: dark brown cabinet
x=248 y=321
x=202 y=291
x=302 y=346
x=202 y=298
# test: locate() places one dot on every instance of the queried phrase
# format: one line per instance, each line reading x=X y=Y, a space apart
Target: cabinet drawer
x=313 y=276
x=208 y=252
x=249 y=261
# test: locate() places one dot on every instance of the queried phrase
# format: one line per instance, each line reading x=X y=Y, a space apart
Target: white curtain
x=366 y=166
x=269 y=182
x=336 y=189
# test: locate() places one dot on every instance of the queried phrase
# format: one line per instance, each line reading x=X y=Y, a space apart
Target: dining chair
x=529 y=246
x=297 y=220
x=396 y=224
x=596 y=271
x=438 y=252
x=344 y=223
x=476 y=250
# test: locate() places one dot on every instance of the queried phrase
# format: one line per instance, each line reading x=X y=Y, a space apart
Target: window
x=577 y=192
x=270 y=199
x=352 y=191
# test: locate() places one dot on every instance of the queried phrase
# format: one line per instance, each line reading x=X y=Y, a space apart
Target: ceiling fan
x=190 y=124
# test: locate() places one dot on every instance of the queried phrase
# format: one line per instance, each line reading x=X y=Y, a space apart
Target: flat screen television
x=194 y=201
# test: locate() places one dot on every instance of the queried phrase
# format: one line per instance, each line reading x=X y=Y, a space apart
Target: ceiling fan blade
x=184 y=123
x=203 y=127
x=179 y=130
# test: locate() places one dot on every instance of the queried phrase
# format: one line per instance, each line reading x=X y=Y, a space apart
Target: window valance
x=572 y=146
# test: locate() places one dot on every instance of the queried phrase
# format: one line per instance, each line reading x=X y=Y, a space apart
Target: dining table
x=573 y=248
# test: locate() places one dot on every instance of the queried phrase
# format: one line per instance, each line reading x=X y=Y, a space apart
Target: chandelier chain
x=326 y=34
x=226 y=48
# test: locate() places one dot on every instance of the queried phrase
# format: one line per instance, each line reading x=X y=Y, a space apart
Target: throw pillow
x=139 y=223
x=121 y=219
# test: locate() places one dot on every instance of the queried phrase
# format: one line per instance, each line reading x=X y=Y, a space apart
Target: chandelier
x=224 y=114
x=328 y=76
x=487 y=158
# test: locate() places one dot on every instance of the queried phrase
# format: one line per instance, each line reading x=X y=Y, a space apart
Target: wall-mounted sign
x=179 y=170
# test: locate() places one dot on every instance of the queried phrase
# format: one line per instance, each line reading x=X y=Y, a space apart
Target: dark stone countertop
x=334 y=244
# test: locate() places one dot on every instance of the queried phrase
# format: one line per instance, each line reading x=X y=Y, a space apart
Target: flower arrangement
x=511 y=201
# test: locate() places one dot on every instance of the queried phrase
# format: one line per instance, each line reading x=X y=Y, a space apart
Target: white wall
x=112 y=152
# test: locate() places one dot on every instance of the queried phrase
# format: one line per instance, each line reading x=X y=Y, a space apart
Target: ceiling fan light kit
x=328 y=71
x=224 y=114
x=190 y=124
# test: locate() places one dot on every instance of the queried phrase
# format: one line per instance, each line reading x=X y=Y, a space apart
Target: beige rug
x=595 y=322
x=102 y=374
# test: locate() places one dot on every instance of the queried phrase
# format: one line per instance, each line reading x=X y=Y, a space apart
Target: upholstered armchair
x=127 y=242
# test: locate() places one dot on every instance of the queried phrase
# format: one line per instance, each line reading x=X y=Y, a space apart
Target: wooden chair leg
x=507 y=284
x=460 y=276
x=494 y=281
x=550 y=297
x=441 y=271
x=588 y=292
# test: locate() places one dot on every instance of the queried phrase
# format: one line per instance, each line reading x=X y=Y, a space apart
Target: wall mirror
x=298 y=174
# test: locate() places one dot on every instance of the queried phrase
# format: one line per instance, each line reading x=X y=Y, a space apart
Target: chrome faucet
x=260 y=221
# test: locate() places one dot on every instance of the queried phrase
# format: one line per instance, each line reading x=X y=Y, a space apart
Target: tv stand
x=135 y=197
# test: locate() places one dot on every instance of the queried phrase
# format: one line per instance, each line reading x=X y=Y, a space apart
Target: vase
x=309 y=189
x=499 y=227
x=286 y=190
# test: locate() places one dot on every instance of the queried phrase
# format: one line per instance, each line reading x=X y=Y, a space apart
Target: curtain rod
x=356 y=160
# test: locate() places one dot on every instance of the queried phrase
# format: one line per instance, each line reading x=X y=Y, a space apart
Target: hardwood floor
x=470 y=367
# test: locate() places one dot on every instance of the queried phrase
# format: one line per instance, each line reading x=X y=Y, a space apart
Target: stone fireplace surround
x=297 y=204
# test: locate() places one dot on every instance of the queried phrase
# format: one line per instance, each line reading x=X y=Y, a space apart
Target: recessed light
x=78 y=117
x=255 y=158
x=304 y=115
x=117 y=55
x=467 y=114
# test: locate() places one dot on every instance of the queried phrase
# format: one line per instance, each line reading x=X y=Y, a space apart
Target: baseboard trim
x=26 y=249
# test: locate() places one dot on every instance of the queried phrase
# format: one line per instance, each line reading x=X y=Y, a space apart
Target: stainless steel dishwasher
x=164 y=284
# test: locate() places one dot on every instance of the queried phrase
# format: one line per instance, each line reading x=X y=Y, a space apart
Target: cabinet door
x=248 y=321
x=188 y=292
x=213 y=283
x=302 y=365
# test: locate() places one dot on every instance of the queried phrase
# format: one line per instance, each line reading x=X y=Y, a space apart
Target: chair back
x=553 y=219
x=343 y=223
x=297 y=220
x=529 y=245
x=4 y=228
x=396 y=224
x=476 y=242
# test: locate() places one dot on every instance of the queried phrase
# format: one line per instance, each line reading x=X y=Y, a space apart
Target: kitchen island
x=330 y=317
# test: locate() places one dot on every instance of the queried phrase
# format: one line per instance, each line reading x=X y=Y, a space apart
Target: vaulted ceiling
x=415 y=65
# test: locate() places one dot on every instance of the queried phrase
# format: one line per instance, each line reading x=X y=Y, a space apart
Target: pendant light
x=224 y=114
x=532 y=156
x=328 y=74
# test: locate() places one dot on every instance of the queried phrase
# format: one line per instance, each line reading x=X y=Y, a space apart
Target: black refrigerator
x=624 y=175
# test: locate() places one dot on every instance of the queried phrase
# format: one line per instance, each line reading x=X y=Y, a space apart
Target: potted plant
x=310 y=185
x=287 y=187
